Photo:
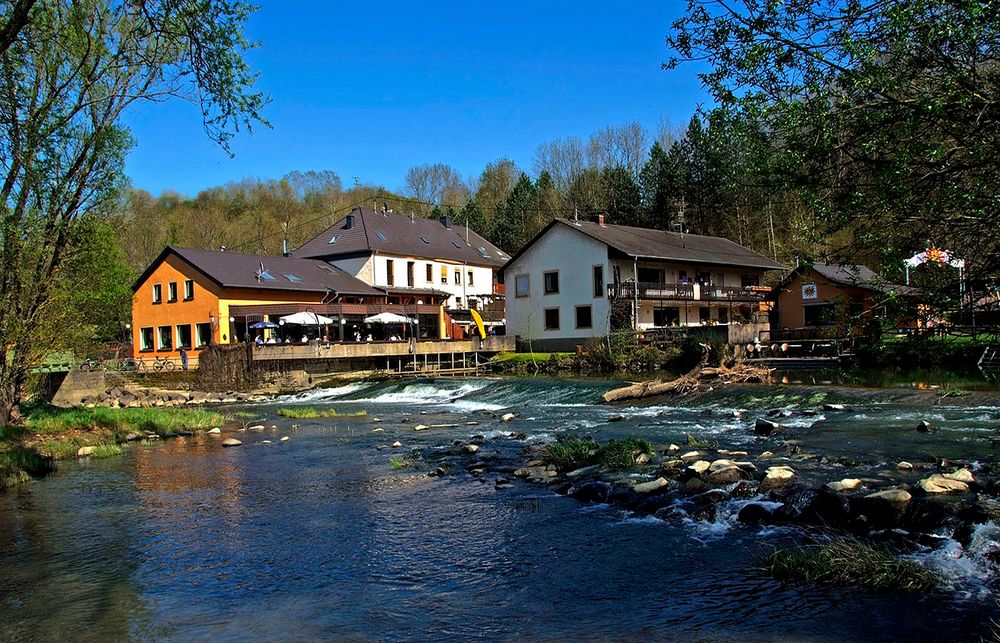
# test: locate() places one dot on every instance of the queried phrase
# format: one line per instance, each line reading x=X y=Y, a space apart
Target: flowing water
x=319 y=537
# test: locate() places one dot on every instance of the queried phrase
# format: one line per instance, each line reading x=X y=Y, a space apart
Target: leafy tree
x=65 y=80
x=883 y=117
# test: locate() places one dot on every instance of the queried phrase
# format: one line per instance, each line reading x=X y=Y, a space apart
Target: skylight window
x=328 y=268
x=378 y=233
x=263 y=274
x=425 y=239
x=482 y=251
x=456 y=244
x=334 y=238
x=293 y=278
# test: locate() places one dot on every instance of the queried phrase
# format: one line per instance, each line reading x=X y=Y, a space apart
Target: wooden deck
x=367 y=350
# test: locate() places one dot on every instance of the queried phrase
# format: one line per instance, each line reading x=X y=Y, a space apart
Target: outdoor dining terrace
x=379 y=349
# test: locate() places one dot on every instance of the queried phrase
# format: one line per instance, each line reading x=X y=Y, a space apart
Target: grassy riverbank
x=50 y=433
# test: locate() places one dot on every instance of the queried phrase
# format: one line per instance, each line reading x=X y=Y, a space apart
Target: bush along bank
x=49 y=433
x=914 y=507
x=620 y=353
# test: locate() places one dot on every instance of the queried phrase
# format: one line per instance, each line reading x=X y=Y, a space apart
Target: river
x=319 y=538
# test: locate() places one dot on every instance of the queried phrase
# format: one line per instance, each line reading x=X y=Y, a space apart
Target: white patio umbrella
x=388 y=318
x=306 y=319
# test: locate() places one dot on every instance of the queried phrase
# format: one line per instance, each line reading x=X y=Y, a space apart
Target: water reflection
x=318 y=538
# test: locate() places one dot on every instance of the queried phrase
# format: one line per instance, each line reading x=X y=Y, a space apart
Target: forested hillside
x=693 y=178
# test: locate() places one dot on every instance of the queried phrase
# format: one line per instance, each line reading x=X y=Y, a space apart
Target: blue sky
x=371 y=89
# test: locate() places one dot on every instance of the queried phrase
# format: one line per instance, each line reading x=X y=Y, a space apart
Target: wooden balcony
x=684 y=292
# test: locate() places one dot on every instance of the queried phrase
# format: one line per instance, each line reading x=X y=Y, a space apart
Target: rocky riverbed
x=911 y=506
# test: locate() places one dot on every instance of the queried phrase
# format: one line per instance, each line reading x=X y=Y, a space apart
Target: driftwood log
x=690 y=382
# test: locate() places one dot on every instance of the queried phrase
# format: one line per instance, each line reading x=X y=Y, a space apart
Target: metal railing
x=683 y=292
x=650 y=290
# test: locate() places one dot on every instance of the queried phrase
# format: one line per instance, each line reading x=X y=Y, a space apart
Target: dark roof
x=398 y=234
x=847 y=275
x=238 y=270
x=850 y=275
x=646 y=243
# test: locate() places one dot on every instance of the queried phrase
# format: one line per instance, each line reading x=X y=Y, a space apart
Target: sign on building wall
x=809 y=291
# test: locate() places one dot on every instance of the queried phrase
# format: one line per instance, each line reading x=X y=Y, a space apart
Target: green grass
x=702 y=443
x=19 y=464
x=50 y=419
x=849 y=564
x=525 y=358
x=401 y=462
x=572 y=453
x=621 y=454
x=310 y=413
x=107 y=450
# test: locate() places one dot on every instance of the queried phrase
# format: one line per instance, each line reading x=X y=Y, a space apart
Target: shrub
x=570 y=453
x=19 y=464
x=621 y=454
x=849 y=564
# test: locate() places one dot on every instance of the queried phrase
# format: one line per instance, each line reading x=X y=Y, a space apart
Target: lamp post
x=232 y=320
x=343 y=329
x=316 y=317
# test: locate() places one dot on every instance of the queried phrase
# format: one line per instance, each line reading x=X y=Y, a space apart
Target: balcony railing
x=650 y=290
x=683 y=292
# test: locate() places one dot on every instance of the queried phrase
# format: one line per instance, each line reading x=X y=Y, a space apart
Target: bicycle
x=92 y=364
x=163 y=363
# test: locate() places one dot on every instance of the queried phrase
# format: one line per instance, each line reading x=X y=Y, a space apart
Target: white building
x=409 y=257
x=579 y=279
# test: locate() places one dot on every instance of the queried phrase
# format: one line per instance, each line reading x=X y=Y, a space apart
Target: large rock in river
x=765 y=427
x=847 y=484
x=776 y=477
x=231 y=442
x=939 y=484
x=652 y=485
x=884 y=508
x=962 y=475
x=727 y=475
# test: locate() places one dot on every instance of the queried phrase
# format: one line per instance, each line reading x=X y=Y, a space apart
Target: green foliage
x=312 y=413
x=881 y=119
x=850 y=564
x=621 y=454
x=69 y=75
x=701 y=443
x=51 y=419
x=20 y=464
x=397 y=462
x=570 y=453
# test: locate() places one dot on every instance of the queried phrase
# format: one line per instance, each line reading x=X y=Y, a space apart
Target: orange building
x=832 y=300
x=188 y=299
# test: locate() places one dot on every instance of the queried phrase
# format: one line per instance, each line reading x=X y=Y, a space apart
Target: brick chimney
x=446 y=221
x=598 y=218
x=349 y=222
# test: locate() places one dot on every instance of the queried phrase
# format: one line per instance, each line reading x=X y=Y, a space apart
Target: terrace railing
x=684 y=292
